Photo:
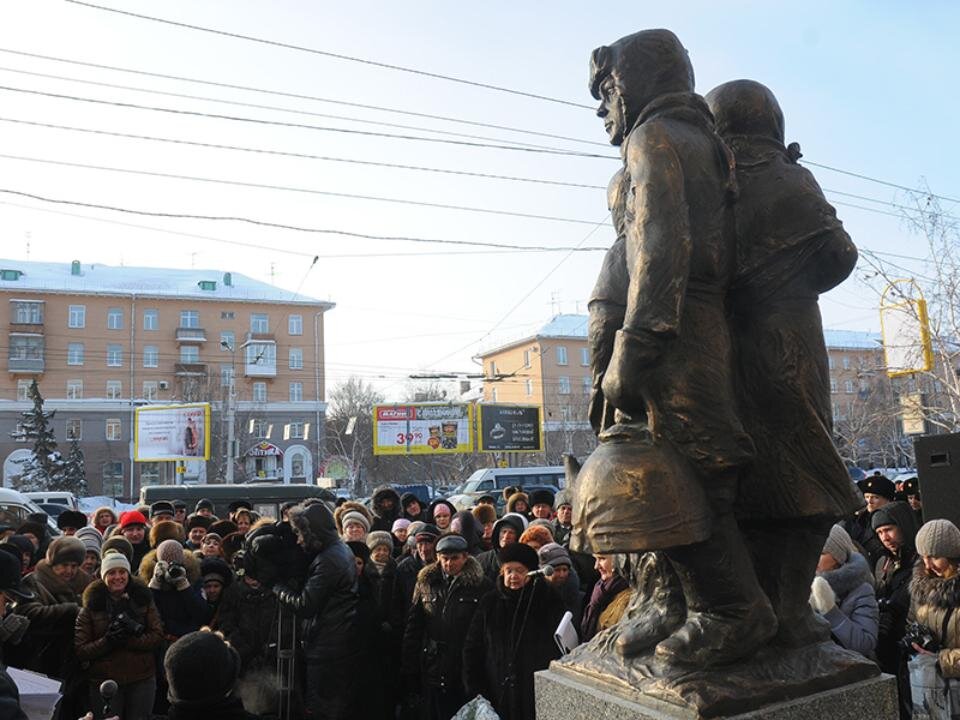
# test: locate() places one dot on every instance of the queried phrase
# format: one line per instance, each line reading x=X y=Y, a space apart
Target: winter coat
x=382 y=517
x=605 y=606
x=328 y=601
x=490 y=560
x=407 y=571
x=385 y=588
x=248 y=620
x=229 y=709
x=854 y=620
x=931 y=598
x=893 y=574
x=52 y=614
x=861 y=532
x=438 y=622
x=133 y=659
x=561 y=533
x=510 y=638
x=10 y=698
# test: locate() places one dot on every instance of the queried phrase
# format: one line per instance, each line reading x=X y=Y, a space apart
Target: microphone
x=545 y=571
x=108 y=688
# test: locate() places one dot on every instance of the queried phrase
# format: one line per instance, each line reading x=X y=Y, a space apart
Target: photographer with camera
x=934 y=630
x=175 y=589
x=117 y=631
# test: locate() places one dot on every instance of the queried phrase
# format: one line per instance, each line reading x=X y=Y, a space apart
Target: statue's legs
x=785 y=555
x=728 y=615
x=657 y=606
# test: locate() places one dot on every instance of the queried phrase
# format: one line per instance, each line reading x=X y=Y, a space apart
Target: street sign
x=509 y=428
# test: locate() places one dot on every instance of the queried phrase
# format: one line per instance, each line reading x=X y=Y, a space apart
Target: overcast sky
x=866 y=87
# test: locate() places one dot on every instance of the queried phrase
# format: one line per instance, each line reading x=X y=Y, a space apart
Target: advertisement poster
x=172 y=432
x=422 y=429
x=509 y=428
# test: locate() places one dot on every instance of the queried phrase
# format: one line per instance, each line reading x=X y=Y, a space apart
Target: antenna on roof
x=555 y=303
x=28 y=243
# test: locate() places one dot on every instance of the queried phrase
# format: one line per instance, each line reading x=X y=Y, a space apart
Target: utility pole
x=231 y=410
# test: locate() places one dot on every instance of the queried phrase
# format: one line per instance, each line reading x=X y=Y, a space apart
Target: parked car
x=52 y=510
x=14 y=508
x=492 y=481
x=67 y=500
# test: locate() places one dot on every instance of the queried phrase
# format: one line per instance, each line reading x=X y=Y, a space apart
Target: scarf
x=603 y=594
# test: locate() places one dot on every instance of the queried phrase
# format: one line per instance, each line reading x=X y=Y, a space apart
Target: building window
x=151 y=356
x=150 y=390
x=259 y=323
x=864 y=387
x=846 y=362
x=493 y=394
x=20 y=433
x=23 y=390
x=26 y=347
x=226 y=373
x=115 y=319
x=149 y=473
x=112 y=474
x=77 y=317
x=114 y=355
x=228 y=341
x=208 y=285
x=526 y=359
x=226 y=315
x=493 y=368
x=295 y=325
x=114 y=389
x=848 y=386
x=74 y=389
x=261 y=354
x=260 y=392
x=296 y=466
x=151 y=319
x=585 y=357
x=529 y=384
x=833 y=385
x=561 y=355
x=296 y=392
x=260 y=429
x=830 y=362
x=189 y=318
x=113 y=429
x=75 y=354
x=297 y=431
x=587 y=384
x=296 y=358
x=563 y=385
x=28 y=313
x=74 y=429
x=189 y=354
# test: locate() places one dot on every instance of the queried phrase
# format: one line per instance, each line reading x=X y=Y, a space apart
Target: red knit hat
x=132 y=517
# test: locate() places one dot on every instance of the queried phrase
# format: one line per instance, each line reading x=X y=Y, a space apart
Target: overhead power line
x=304 y=156
x=882 y=182
x=303 y=126
x=288 y=188
x=280 y=226
x=298 y=96
x=337 y=56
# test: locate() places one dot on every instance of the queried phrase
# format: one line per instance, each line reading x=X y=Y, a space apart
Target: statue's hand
x=633 y=357
x=596 y=408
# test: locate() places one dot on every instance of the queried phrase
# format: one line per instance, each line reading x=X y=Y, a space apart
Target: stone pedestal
x=566 y=695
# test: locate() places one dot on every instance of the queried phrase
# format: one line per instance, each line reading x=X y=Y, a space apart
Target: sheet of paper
x=566 y=634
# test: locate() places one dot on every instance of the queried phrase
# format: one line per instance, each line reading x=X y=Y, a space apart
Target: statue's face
x=611 y=111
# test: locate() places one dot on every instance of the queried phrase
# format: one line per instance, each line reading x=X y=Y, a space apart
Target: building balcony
x=191 y=335
x=190 y=369
x=33 y=328
x=25 y=364
x=259 y=369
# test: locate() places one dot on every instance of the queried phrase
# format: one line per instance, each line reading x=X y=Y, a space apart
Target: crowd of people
x=394 y=609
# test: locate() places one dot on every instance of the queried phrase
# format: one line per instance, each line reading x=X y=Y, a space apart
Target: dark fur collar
x=850 y=576
x=430 y=578
x=932 y=590
x=95 y=596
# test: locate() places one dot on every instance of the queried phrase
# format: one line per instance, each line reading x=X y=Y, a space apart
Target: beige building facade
x=102 y=341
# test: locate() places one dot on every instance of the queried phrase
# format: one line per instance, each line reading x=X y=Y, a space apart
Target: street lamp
x=231 y=409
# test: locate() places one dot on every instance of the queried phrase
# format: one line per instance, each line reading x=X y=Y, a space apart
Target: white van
x=54 y=498
x=14 y=508
x=492 y=481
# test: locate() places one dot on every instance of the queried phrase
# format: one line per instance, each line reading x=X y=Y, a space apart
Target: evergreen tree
x=45 y=465
x=74 y=477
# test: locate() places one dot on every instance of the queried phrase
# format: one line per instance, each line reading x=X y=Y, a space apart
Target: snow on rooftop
x=852 y=339
x=152 y=282
x=565 y=326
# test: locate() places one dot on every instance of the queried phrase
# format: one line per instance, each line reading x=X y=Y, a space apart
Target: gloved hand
x=822 y=597
x=176 y=576
x=12 y=628
x=159 y=573
x=116 y=634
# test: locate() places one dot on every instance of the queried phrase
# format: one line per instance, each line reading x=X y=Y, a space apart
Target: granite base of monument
x=566 y=695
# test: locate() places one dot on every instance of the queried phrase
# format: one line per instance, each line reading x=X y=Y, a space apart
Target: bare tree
x=349 y=428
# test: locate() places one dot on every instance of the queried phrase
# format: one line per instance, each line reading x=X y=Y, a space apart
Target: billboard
x=509 y=428
x=906 y=332
x=172 y=432
x=422 y=429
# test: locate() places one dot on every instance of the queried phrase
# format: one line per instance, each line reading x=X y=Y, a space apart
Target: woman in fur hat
x=935 y=592
x=843 y=593
x=519 y=503
x=348 y=507
x=117 y=630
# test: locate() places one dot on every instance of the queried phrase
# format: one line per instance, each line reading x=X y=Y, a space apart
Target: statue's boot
x=787 y=584
x=728 y=615
x=657 y=606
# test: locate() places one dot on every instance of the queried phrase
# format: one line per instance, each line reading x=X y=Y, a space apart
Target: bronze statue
x=715 y=468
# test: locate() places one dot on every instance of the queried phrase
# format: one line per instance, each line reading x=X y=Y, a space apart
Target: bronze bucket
x=635 y=494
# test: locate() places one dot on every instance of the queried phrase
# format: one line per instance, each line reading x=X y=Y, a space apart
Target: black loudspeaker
x=938 y=470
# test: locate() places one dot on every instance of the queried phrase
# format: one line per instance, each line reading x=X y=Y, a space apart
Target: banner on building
x=172 y=432
x=422 y=429
x=906 y=329
x=509 y=428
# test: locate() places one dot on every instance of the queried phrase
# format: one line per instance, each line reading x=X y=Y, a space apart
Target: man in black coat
x=446 y=595
x=327 y=604
x=386 y=508
x=506 y=530
x=409 y=568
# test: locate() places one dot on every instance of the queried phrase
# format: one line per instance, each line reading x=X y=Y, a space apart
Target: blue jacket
x=855 y=620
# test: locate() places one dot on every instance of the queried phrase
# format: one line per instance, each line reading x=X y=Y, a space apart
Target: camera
x=176 y=571
x=920 y=635
x=127 y=625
